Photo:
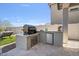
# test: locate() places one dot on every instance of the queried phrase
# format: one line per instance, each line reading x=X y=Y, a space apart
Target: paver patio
x=44 y=50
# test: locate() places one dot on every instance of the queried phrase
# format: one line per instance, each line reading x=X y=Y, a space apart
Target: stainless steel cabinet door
x=49 y=39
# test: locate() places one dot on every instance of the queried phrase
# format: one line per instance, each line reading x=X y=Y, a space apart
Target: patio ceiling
x=60 y=5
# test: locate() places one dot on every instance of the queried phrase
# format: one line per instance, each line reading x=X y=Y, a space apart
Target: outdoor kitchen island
x=52 y=37
x=28 y=38
x=26 y=42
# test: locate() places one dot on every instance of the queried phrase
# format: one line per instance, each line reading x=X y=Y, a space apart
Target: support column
x=65 y=25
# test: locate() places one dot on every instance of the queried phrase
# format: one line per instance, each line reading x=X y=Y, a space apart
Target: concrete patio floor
x=44 y=50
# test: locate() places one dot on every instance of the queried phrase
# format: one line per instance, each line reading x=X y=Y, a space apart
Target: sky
x=25 y=13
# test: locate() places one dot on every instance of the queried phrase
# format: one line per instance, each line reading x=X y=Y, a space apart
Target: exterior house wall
x=49 y=27
x=73 y=30
x=57 y=15
x=73 y=21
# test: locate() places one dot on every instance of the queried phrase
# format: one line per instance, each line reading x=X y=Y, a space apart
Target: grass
x=7 y=40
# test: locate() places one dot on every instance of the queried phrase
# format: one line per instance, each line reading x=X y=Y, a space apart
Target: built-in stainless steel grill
x=29 y=29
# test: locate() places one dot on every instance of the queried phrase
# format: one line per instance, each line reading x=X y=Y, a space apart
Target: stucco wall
x=73 y=31
x=49 y=27
x=57 y=15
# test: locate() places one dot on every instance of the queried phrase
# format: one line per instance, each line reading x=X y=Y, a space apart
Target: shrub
x=1 y=29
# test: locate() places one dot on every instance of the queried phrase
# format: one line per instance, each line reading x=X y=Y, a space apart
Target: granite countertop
x=27 y=35
x=53 y=32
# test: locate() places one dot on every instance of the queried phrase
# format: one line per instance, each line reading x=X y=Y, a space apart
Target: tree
x=4 y=24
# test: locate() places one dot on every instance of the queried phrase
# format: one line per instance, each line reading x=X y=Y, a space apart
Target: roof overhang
x=63 y=5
